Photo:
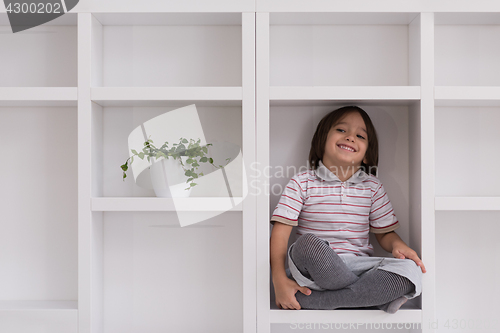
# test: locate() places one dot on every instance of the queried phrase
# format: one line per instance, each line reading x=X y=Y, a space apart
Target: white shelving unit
x=84 y=251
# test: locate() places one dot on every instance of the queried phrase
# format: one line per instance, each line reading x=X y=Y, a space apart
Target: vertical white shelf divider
x=249 y=148
x=84 y=175
x=262 y=158
x=427 y=171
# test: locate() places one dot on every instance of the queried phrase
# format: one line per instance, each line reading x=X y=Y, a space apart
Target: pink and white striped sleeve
x=382 y=217
x=290 y=204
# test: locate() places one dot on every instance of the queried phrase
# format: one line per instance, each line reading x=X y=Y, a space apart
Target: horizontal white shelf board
x=131 y=19
x=38 y=305
x=166 y=96
x=201 y=204
x=322 y=18
x=467 y=203
x=343 y=102
x=70 y=18
x=279 y=316
x=164 y=6
x=388 y=6
x=38 y=96
x=466 y=18
x=403 y=94
x=467 y=95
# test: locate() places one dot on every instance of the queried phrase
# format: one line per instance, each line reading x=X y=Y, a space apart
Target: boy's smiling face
x=346 y=143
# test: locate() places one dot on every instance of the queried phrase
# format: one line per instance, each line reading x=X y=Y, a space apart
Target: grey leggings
x=319 y=262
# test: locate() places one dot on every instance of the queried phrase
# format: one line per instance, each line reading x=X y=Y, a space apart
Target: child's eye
x=340 y=130
x=360 y=136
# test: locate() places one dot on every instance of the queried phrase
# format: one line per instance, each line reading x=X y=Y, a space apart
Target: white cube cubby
x=153 y=271
x=467 y=258
x=39 y=218
x=343 y=49
x=466 y=141
x=466 y=49
x=43 y=56
x=112 y=125
x=167 y=50
x=292 y=125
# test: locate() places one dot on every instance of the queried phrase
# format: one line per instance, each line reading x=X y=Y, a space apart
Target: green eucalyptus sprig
x=195 y=153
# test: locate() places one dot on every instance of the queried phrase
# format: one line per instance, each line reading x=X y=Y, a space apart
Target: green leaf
x=184 y=141
x=134 y=151
x=189 y=179
x=141 y=155
x=193 y=184
x=205 y=149
x=124 y=167
x=211 y=160
x=203 y=159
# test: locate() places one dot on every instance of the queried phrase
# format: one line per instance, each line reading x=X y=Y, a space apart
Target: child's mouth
x=347 y=148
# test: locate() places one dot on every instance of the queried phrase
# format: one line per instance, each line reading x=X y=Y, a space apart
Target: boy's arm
x=391 y=242
x=284 y=288
x=278 y=248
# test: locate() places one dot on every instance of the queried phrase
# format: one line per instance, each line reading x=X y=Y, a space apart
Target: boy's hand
x=285 y=290
x=401 y=251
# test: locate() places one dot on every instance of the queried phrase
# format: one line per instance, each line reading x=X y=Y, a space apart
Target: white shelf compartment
x=343 y=49
x=463 y=170
x=292 y=124
x=467 y=239
x=39 y=188
x=466 y=49
x=149 y=270
x=166 y=50
x=42 y=56
x=111 y=125
x=167 y=204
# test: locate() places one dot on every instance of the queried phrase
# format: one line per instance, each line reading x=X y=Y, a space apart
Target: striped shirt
x=343 y=213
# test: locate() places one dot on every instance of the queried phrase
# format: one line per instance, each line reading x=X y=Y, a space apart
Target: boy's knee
x=309 y=244
x=307 y=237
x=309 y=241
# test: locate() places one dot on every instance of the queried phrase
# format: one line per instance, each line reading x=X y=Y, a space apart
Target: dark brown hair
x=331 y=119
